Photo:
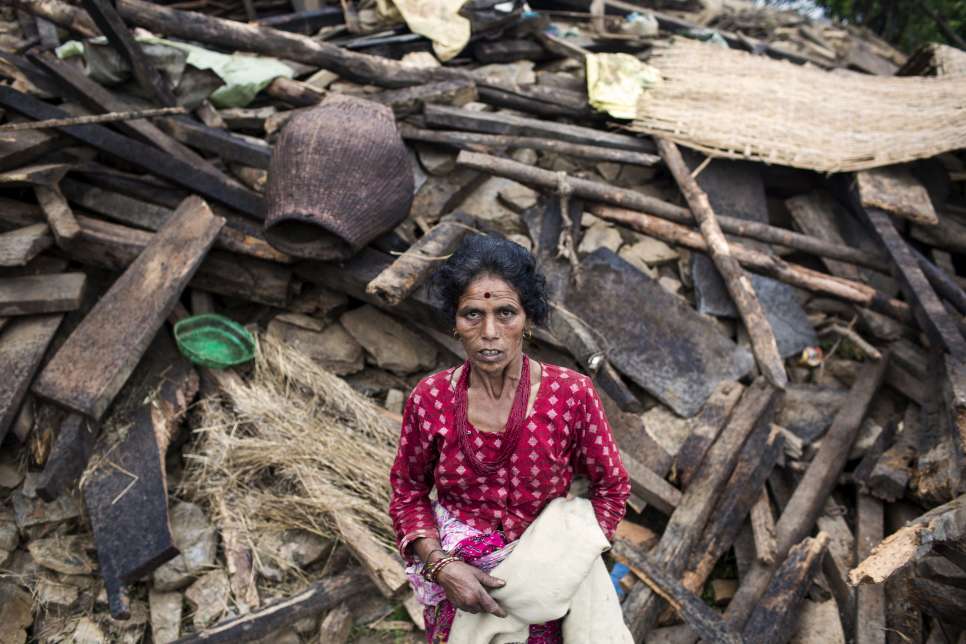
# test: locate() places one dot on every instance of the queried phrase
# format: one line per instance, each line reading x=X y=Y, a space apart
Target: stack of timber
x=781 y=352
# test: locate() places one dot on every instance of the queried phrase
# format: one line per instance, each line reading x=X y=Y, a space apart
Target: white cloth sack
x=555 y=570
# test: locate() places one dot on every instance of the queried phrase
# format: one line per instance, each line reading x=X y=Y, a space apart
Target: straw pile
x=733 y=104
x=289 y=448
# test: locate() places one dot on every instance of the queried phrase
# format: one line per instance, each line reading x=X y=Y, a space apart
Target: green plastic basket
x=214 y=341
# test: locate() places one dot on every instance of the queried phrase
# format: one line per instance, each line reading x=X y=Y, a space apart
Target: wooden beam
x=603 y=193
x=870 y=622
x=757 y=405
x=111 y=24
x=763 y=343
x=230 y=147
x=35 y=294
x=317 y=598
x=698 y=615
x=809 y=498
x=763 y=529
x=20 y=148
x=59 y=216
x=23 y=342
x=930 y=312
x=143 y=156
x=775 y=616
x=705 y=428
x=68 y=456
x=88 y=371
x=384 y=570
x=20 y=246
x=125 y=490
x=650 y=486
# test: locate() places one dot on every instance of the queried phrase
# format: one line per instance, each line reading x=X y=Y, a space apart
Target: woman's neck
x=495 y=384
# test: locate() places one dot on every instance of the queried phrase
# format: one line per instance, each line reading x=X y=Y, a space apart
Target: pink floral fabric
x=565 y=434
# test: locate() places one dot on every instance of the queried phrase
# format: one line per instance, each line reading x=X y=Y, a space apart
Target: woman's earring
x=528 y=332
x=456 y=334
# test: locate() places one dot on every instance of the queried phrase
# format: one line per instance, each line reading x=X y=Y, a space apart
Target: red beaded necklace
x=514 y=422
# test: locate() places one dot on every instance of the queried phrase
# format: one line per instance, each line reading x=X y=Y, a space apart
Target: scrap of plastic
x=616 y=82
x=438 y=20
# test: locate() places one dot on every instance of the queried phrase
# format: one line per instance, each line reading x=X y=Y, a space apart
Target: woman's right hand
x=466 y=588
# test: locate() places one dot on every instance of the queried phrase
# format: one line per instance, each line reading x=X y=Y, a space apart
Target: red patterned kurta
x=566 y=434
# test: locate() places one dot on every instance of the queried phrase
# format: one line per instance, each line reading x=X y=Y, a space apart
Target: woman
x=499 y=437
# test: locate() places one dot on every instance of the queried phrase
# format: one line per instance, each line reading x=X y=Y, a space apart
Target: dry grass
x=290 y=447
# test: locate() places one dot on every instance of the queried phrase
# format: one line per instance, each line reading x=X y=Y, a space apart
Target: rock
x=723 y=590
x=9 y=538
x=375 y=383
x=320 y=302
x=636 y=176
x=34 y=511
x=670 y=284
x=11 y=471
x=527 y=156
x=651 y=251
x=602 y=235
x=518 y=197
x=16 y=614
x=667 y=428
x=521 y=240
x=129 y=631
x=322 y=79
x=608 y=170
x=288 y=636
x=87 y=631
x=391 y=345
x=166 y=609
x=332 y=349
x=209 y=596
x=516 y=73
x=419 y=59
x=484 y=202
x=302 y=321
x=436 y=160
x=818 y=624
x=395 y=399
x=306 y=625
x=336 y=625
x=197 y=541
x=808 y=410
x=51 y=592
x=634 y=259
x=67 y=555
x=280 y=551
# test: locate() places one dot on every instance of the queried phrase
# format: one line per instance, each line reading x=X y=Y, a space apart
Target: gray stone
x=651 y=251
x=16 y=614
x=319 y=302
x=34 y=511
x=302 y=321
x=484 y=202
x=527 y=156
x=391 y=345
x=65 y=554
x=209 y=597
x=9 y=538
x=667 y=428
x=521 y=240
x=196 y=539
x=601 y=235
x=51 y=592
x=395 y=399
x=281 y=551
x=376 y=383
x=436 y=160
x=518 y=197
x=633 y=258
x=322 y=79
x=516 y=73
x=808 y=410
x=653 y=337
x=332 y=348
x=608 y=170
x=166 y=609
x=11 y=471
x=88 y=631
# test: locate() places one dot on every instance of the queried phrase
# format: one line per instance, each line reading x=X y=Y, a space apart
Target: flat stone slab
x=653 y=337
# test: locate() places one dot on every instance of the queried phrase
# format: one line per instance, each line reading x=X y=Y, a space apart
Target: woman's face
x=490 y=321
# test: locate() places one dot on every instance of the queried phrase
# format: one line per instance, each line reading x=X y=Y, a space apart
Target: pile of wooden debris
x=780 y=351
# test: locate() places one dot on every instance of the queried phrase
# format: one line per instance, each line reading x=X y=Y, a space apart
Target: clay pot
x=340 y=176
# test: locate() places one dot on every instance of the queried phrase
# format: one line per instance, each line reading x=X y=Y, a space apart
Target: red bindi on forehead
x=487 y=295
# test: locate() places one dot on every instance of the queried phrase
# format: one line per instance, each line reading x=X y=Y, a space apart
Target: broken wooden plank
x=125 y=490
x=44 y=174
x=757 y=405
x=763 y=528
x=20 y=148
x=809 y=498
x=698 y=615
x=705 y=428
x=68 y=457
x=479 y=142
x=384 y=570
x=774 y=617
x=596 y=191
x=651 y=320
x=143 y=156
x=20 y=246
x=320 y=596
x=414 y=266
x=870 y=622
x=904 y=621
x=651 y=487
x=230 y=147
x=894 y=190
x=929 y=311
x=36 y=294
x=119 y=328
x=59 y=216
x=148 y=76
x=892 y=471
x=23 y=342
x=763 y=343
x=954 y=396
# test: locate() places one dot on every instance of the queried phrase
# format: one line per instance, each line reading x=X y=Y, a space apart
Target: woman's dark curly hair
x=489 y=255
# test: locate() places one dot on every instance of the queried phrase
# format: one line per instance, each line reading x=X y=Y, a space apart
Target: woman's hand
x=466 y=588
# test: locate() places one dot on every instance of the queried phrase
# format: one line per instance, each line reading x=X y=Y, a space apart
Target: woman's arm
x=411 y=479
x=597 y=457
